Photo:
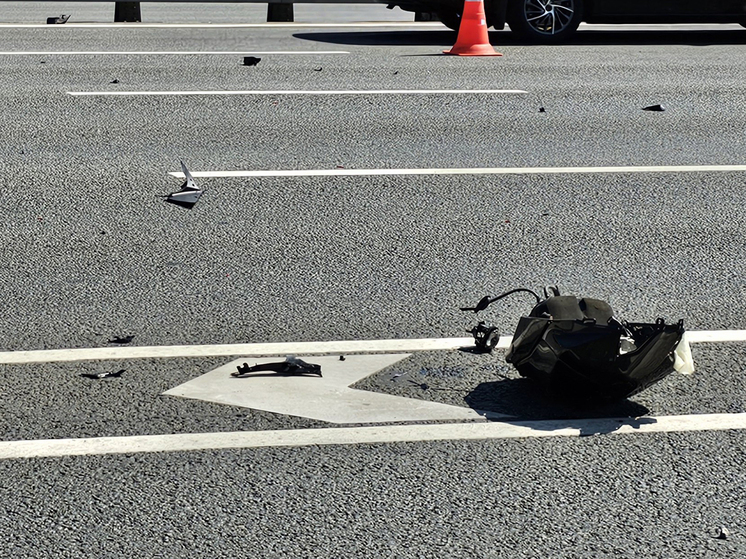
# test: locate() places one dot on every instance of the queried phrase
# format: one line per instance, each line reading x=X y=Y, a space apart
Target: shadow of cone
x=472 y=39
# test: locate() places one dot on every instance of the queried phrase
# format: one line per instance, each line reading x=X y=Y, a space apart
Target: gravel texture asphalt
x=90 y=251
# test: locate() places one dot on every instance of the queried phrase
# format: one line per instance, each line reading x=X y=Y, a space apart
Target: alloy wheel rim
x=549 y=17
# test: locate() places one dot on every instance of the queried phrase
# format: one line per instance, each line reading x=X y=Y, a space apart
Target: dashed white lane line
x=466 y=171
x=367 y=435
x=302 y=92
x=165 y=52
x=291 y=348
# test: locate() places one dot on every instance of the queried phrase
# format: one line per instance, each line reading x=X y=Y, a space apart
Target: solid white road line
x=291 y=348
x=468 y=171
x=368 y=435
x=269 y=25
x=302 y=92
x=161 y=52
x=248 y=350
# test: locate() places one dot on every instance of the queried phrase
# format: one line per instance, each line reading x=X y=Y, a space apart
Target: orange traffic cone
x=472 y=39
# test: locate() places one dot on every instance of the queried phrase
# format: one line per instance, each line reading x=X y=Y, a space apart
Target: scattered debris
x=121 y=339
x=58 y=19
x=576 y=347
x=655 y=108
x=251 y=60
x=397 y=375
x=542 y=110
x=318 y=69
x=109 y=374
x=189 y=194
x=722 y=533
x=292 y=366
x=485 y=337
x=341 y=357
x=480 y=306
x=114 y=81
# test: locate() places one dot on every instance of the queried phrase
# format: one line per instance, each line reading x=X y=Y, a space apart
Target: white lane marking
x=291 y=348
x=467 y=171
x=303 y=92
x=328 y=398
x=368 y=435
x=162 y=52
x=269 y=25
x=247 y=350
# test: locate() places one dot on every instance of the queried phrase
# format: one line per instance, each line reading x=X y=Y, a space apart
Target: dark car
x=553 y=21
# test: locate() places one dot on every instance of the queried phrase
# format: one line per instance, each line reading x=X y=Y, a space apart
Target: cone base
x=476 y=50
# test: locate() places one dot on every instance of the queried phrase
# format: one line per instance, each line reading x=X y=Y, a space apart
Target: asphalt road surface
x=90 y=251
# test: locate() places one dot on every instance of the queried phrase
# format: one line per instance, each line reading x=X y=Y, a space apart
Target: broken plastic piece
x=576 y=347
x=251 y=60
x=722 y=533
x=189 y=194
x=655 y=108
x=121 y=339
x=109 y=374
x=683 y=361
x=485 y=337
x=292 y=366
x=58 y=19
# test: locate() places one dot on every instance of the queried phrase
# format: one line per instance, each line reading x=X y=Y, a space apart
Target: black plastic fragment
x=121 y=339
x=251 y=60
x=98 y=376
x=485 y=337
x=57 y=19
x=483 y=303
x=292 y=366
x=655 y=108
x=576 y=348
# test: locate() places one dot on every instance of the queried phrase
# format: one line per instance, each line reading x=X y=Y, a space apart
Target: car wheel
x=544 y=21
x=449 y=18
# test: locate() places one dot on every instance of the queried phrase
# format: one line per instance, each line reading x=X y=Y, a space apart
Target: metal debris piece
x=57 y=19
x=292 y=366
x=251 y=60
x=485 y=337
x=109 y=374
x=722 y=533
x=655 y=108
x=121 y=339
x=189 y=194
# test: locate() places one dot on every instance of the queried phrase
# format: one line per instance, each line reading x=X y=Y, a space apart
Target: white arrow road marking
x=368 y=435
x=328 y=398
x=291 y=348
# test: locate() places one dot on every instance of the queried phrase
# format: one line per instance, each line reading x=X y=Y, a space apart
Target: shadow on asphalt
x=526 y=401
x=505 y=38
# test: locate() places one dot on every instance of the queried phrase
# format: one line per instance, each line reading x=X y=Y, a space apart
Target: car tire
x=544 y=21
x=449 y=18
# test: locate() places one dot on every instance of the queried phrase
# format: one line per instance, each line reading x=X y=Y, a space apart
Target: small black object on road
x=121 y=339
x=655 y=108
x=251 y=60
x=292 y=366
x=98 y=376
